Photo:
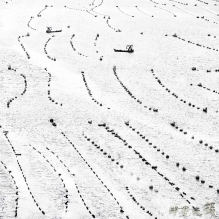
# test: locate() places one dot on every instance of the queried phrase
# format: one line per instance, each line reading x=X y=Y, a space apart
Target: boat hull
x=117 y=50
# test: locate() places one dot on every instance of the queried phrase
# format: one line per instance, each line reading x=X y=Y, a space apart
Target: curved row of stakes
x=197 y=44
x=28 y=24
x=16 y=187
x=22 y=172
x=22 y=45
x=59 y=176
x=53 y=59
x=130 y=94
x=74 y=182
x=74 y=47
x=49 y=92
x=154 y=168
x=185 y=11
x=143 y=12
x=89 y=91
x=176 y=96
x=156 y=148
x=23 y=92
x=166 y=10
x=142 y=208
x=46 y=6
x=125 y=13
x=121 y=208
x=96 y=6
x=91 y=13
x=110 y=26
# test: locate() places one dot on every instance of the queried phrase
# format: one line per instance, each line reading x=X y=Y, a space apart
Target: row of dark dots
x=74 y=47
x=154 y=168
x=59 y=175
x=166 y=10
x=102 y=151
x=77 y=9
x=60 y=161
x=212 y=36
x=109 y=156
x=95 y=44
x=11 y=69
x=203 y=2
x=157 y=3
x=96 y=39
x=208 y=71
x=197 y=44
x=27 y=54
x=150 y=144
x=110 y=26
x=173 y=124
x=46 y=6
x=53 y=59
x=24 y=91
x=200 y=85
x=25 y=85
x=24 y=175
x=121 y=208
x=28 y=24
x=147 y=140
x=89 y=91
x=49 y=92
x=74 y=183
x=176 y=96
x=12 y=177
x=205 y=19
x=203 y=182
x=179 y=2
x=130 y=94
x=52 y=122
x=84 y=201
x=134 y=199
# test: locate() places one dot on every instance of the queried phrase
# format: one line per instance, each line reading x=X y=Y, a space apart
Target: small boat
x=129 y=49
x=49 y=30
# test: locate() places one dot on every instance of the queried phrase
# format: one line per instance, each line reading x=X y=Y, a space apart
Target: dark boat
x=49 y=30
x=128 y=47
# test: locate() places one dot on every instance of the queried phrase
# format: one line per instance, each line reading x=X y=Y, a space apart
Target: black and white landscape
x=109 y=109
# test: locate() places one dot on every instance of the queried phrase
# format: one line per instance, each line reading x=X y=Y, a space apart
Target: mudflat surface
x=87 y=132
